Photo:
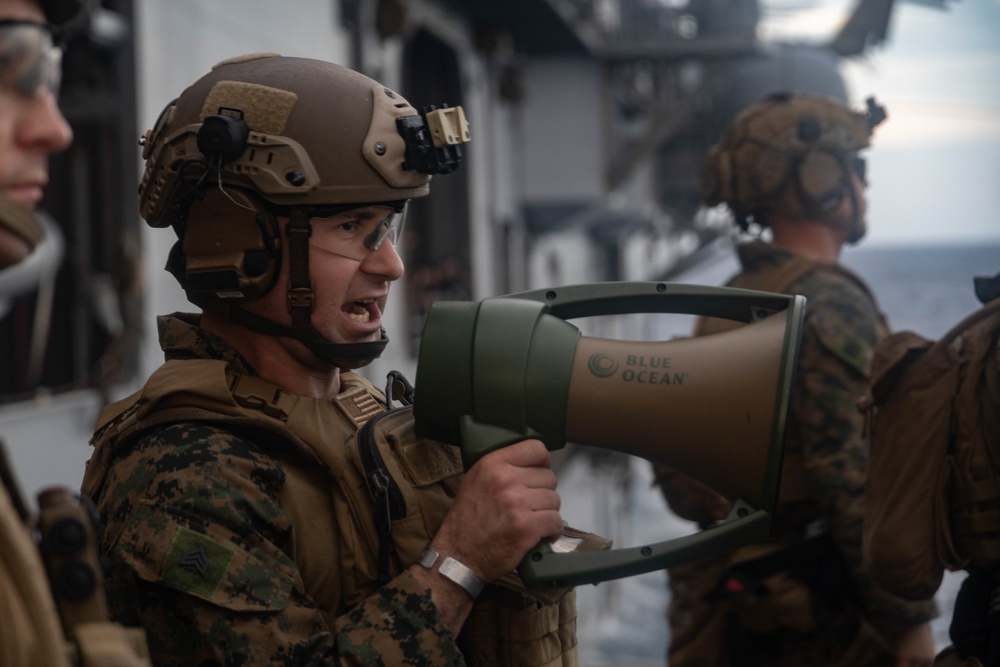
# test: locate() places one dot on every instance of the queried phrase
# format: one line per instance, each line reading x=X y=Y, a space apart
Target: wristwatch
x=453 y=570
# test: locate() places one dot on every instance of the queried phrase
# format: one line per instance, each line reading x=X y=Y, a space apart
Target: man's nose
x=384 y=261
x=43 y=126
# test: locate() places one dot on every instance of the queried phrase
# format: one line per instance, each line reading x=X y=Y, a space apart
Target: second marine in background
x=791 y=165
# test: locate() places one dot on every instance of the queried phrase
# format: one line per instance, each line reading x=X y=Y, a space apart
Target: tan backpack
x=933 y=492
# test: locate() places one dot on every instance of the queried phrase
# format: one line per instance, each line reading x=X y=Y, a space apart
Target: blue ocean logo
x=602 y=365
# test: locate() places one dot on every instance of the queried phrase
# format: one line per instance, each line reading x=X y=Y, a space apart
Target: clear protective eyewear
x=30 y=57
x=357 y=232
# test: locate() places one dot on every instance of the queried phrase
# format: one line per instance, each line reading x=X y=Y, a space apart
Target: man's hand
x=506 y=504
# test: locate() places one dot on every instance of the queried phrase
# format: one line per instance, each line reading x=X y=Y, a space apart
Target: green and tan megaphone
x=495 y=372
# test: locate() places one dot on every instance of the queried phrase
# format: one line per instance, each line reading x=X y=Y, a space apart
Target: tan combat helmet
x=807 y=142
x=265 y=135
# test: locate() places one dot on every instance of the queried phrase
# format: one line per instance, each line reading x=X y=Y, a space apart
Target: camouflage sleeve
x=199 y=546
x=832 y=373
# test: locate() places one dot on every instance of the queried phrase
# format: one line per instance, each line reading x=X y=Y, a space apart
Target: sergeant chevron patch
x=195 y=563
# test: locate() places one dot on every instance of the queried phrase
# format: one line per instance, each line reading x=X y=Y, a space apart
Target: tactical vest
x=508 y=625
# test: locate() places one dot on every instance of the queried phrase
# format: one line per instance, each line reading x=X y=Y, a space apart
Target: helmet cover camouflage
x=770 y=140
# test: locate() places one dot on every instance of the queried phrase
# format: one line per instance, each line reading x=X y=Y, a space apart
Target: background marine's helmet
x=807 y=142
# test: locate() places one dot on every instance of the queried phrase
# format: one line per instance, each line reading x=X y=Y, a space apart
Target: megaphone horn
x=508 y=368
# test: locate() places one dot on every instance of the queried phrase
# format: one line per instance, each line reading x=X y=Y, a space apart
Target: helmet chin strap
x=347 y=356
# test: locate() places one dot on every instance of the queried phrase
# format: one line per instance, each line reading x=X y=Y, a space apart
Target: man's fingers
x=526 y=454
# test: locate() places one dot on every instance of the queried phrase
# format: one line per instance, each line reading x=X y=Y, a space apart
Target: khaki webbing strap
x=300 y=291
x=252 y=392
x=791 y=271
x=18 y=219
x=111 y=645
x=505 y=632
x=10 y=483
x=33 y=636
x=787 y=275
x=779 y=280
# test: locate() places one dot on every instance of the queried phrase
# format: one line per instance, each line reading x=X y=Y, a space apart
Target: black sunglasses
x=860 y=167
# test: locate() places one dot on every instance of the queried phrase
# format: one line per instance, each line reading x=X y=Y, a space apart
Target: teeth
x=360 y=313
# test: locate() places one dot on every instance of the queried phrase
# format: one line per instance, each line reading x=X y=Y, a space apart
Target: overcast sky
x=934 y=168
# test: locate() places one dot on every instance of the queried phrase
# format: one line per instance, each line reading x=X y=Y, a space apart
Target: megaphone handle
x=544 y=568
x=480 y=439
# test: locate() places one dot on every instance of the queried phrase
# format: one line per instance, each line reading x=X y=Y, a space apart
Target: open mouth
x=360 y=310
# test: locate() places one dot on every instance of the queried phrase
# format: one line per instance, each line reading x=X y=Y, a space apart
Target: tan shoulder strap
x=779 y=279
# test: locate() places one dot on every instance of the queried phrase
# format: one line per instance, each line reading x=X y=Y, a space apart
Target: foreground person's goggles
x=355 y=233
x=30 y=57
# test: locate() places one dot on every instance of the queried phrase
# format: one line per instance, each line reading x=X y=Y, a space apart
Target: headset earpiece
x=230 y=247
x=821 y=180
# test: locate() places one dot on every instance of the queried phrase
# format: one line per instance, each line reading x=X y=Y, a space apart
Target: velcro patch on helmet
x=235 y=60
x=265 y=109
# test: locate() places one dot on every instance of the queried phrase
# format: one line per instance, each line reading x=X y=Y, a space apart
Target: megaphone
x=495 y=372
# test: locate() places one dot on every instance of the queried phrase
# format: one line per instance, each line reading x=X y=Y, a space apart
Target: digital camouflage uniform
x=232 y=546
x=771 y=618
